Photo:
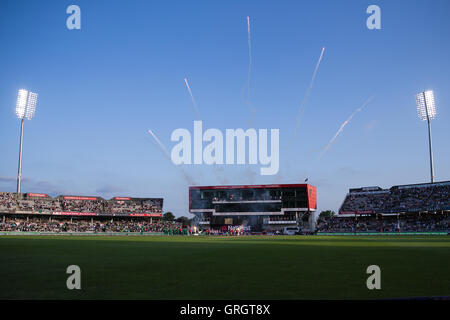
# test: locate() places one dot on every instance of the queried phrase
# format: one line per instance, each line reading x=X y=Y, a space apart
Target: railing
x=282 y=222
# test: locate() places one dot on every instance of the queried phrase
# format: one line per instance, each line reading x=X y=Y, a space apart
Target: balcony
x=282 y=222
x=217 y=201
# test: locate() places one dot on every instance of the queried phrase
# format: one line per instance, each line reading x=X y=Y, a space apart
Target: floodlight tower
x=25 y=108
x=426 y=109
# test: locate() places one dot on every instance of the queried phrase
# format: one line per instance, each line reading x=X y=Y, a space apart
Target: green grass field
x=158 y=267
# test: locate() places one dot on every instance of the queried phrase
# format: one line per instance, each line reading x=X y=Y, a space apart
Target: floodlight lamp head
x=26 y=104
x=426 y=107
x=21 y=103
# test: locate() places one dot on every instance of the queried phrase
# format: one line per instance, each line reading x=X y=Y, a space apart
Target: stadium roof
x=414 y=185
x=418 y=185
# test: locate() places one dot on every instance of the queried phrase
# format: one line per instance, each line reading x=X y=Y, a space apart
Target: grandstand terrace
x=414 y=208
x=388 y=223
x=40 y=213
x=58 y=224
x=426 y=197
x=69 y=205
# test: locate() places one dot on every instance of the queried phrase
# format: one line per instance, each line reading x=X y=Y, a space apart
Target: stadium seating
x=409 y=222
x=31 y=203
x=364 y=202
x=408 y=208
x=39 y=224
x=407 y=198
x=7 y=202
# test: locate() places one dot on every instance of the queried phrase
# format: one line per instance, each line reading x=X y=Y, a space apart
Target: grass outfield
x=158 y=267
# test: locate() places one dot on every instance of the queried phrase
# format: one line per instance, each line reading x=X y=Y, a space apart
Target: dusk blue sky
x=103 y=87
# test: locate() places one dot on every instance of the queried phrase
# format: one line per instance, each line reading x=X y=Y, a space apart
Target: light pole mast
x=19 y=174
x=25 y=108
x=430 y=144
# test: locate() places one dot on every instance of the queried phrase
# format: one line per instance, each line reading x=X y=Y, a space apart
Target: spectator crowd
x=409 y=222
x=9 y=203
x=413 y=198
x=83 y=225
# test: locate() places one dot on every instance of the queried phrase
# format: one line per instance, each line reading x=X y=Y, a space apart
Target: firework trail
x=341 y=128
x=166 y=153
x=249 y=58
x=163 y=148
x=249 y=72
x=192 y=98
x=198 y=116
x=216 y=172
x=308 y=92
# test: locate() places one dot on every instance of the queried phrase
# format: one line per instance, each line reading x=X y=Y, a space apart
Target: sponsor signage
x=312 y=197
x=79 y=198
x=357 y=212
x=241 y=228
x=58 y=213
x=144 y=215
x=38 y=195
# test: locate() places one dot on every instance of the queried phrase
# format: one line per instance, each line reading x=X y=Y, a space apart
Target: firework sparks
x=308 y=92
x=163 y=148
x=341 y=128
x=246 y=87
x=249 y=58
x=192 y=98
x=188 y=179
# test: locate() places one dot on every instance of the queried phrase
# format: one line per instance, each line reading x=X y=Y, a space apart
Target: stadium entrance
x=254 y=208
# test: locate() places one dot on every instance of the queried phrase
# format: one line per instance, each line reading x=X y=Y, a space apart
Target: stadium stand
x=406 y=198
x=7 y=202
x=406 y=208
x=407 y=222
x=38 y=212
x=44 y=204
x=39 y=224
x=364 y=201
